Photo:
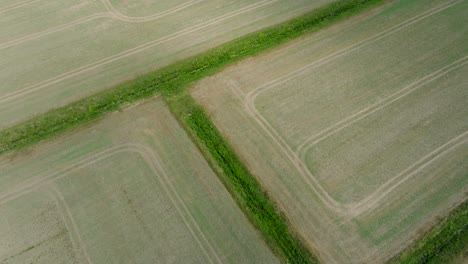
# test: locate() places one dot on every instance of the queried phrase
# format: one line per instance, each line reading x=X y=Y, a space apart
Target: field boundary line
x=110 y=14
x=300 y=164
x=53 y=175
x=172 y=83
x=295 y=161
x=442 y=243
x=72 y=226
x=17 y=5
x=155 y=167
x=372 y=200
x=152 y=160
x=118 y=15
x=131 y=51
x=290 y=154
x=39 y=34
x=368 y=111
x=342 y=52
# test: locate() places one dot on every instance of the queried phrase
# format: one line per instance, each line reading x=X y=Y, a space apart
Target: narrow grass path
x=171 y=82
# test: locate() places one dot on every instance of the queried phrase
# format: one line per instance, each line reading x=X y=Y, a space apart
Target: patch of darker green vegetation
x=441 y=244
x=244 y=187
x=176 y=77
x=172 y=82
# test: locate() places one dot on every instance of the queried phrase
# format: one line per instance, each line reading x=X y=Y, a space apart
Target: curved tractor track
x=297 y=157
x=161 y=178
x=85 y=68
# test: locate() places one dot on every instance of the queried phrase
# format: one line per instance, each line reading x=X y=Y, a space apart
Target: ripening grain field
x=57 y=51
x=131 y=188
x=359 y=132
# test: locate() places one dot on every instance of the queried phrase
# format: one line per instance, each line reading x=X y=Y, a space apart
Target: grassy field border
x=448 y=239
x=174 y=78
x=440 y=243
x=243 y=186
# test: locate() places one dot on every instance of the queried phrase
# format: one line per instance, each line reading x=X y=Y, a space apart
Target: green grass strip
x=174 y=78
x=243 y=186
x=172 y=82
x=442 y=243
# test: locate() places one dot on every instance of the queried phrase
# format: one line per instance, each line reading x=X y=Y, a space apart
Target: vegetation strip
x=442 y=243
x=174 y=78
x=171 y=82
x=238 y=180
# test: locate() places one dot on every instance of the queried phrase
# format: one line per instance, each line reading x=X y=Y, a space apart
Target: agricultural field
x=129 y=188
x=57 y=51
x=359 y=132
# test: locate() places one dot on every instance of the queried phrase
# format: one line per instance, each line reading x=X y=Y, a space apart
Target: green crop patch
x=447 y=239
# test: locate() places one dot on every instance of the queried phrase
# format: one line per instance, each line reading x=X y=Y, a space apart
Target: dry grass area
x=360 y=131
x=55 y=52
x=131 y=188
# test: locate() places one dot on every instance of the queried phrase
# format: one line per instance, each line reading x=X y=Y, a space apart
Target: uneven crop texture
x=443 y=243
x=171 y=82
x=243 y=185
x=137 y=193
x=360 y=131
x=174 y=78
x=67 y=50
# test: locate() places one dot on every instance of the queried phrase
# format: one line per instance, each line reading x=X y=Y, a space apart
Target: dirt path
x=112 y=13
x=365 y=112
x=43 y=84
x=150 y=157
x=296 y=158
x=155 y=165
x=17 y=5
x=383 y=191
x=36 y=35
x=295 y=161
x=51 y=176
x=340 y=53
x=116 y=14
x=68 y=220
